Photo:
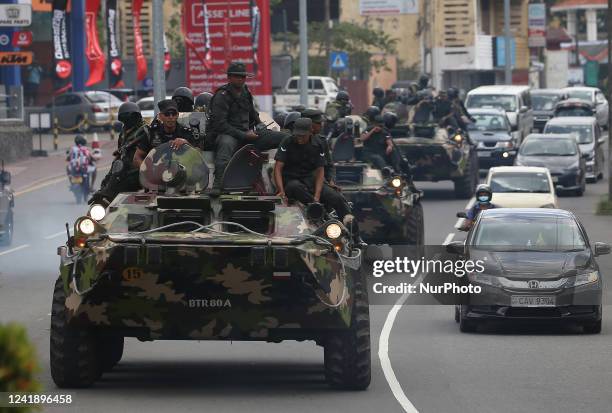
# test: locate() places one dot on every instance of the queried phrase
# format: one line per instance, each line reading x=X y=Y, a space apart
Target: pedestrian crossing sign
x=338 y=61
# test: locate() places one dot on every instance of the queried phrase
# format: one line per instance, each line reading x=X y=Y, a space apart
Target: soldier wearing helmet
x=202 y=101
x=234 y=122
x=339 y=108
x=379 y=97
x=371 y=113
x=378 y=148
x=124 y=178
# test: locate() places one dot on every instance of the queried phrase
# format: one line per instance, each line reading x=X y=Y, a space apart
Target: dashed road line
x=14 y=249
x=449 y=238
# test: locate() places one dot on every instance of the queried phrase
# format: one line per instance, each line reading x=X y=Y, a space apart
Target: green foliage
x=174 y=36
x=17 y=361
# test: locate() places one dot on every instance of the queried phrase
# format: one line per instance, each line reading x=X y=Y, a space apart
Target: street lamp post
x=303 y=54
x=159 y=79
x=507 y=40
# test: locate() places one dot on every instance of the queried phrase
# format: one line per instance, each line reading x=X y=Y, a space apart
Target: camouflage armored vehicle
x=386 y=204
x=7 y=202
x=172 y=263
x=439 y=154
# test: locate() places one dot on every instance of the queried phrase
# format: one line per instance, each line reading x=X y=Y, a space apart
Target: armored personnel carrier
x=173 y=263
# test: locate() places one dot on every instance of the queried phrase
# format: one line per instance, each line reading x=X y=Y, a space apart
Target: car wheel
x=592 y=328
x=465 y=325
x=7 y=238
x=457 y=315
x=580 y=192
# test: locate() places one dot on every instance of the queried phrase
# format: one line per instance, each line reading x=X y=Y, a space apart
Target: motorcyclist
x=483 y=201
x=123 y=176
x=81 y=161
x=379 y=97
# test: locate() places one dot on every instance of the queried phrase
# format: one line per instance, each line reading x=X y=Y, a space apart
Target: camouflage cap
x=313 y=114
x=302 y=126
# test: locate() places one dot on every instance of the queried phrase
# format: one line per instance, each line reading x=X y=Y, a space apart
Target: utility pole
x=303 y=54
x=159 y=79
x=507 y=39
x=609 y=98
x=328 y=26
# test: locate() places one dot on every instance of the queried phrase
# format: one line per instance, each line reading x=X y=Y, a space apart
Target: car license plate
x=555 y=179
x=484 y=154
x=532 y=301
x=76 y=179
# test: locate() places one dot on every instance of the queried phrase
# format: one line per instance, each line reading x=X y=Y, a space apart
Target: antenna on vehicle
x=69 y=243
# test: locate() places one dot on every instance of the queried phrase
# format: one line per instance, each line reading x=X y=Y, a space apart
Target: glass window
x=62 y=100
x=548 y=147
x=316 y=84
x=103 y=97
x=582 y=133
x=489 y=123
x=581 y=94
x=525 y=182
x=545 y=102
x=504 y=102
x=293 y=84
x=569 y=111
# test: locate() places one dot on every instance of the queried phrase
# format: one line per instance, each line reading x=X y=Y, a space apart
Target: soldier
x=371 y=113
x=460 y=110
x=379 y=98
x=164 y=128
x=299 y=173
x=339 y=108
x=290 y=121
x=202 y=102
x=233 y=120
x=378 y=146
x=183 y=96
x=316 y=116
x=423 y=82
x=133 y=131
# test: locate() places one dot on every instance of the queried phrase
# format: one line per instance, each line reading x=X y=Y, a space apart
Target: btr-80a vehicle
x=173 y=263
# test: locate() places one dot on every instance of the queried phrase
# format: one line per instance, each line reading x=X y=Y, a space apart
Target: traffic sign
x=338 y=61
x=22 y=38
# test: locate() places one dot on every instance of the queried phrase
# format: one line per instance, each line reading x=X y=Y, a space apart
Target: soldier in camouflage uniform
x=124 y=179
x=234 y=120
x=339 y=108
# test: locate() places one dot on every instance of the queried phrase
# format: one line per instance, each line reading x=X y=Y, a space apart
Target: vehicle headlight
x=87 y=226
x=479 y=278
x=396 y=182
x=333 y=231
x=97 y=212
x=458 y=138
x=584 y=279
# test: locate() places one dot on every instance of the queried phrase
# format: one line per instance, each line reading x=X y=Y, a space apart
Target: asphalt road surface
x=431 y=365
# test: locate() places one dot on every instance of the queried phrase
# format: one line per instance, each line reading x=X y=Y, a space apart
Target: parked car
x=595 y=97
x=321 y=91
x=496 y=144
x=514 y=100
x=574 y=107
x=544 y=102
x=522 y=187
x=561 y=155
x=147 y=107
x=98 y=107
x=589 y=137
x=538 y=265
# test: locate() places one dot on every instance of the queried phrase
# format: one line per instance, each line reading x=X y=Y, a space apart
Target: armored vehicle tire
x=73 y=355
x=7 y=238
x=347 y=353
x=592 y=328
x=415 y=226
x=466 y=185
x=112 y=351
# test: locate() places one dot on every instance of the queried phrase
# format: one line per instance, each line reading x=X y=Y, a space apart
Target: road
x=438 y=369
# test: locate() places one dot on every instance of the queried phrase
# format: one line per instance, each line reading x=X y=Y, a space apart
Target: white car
x=595 y=97
x=522 y=187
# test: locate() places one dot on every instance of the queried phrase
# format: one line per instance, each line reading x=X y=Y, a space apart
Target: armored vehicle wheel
x=466 y=185
x=112 y=350
x=347 y=353
x=592 y=328
x=7 y=238
x=415 y=227
x=73 y=356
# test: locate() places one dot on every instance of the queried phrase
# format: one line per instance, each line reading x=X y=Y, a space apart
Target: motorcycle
x=79 y=183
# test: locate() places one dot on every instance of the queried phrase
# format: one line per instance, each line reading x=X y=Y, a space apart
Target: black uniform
x=158 y=135
x=375 y=150
x=125 y=180
x=300 y=164
x=232 y=115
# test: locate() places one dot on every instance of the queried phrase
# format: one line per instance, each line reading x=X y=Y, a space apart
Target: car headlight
x=333 y=231
x=87 y=226
x=506 y=144
x=583 y=279
x=485 y=279
x=97 y=212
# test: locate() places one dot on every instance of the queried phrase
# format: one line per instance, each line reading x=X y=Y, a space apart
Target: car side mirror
x=601 y=141
x=462 y=215
x=455 y=247
x=601 y=248
x=524 y=109
x=5 y=178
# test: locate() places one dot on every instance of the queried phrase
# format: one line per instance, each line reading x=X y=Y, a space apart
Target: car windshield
x=583 y=133
x=548 y=147
x=526 y=182
x=504 y=102
x=99 y=97
x=544 y=102
x=573 y=111
x=489 y=123
x=146 y=105
x=580 y=94
x=523 y=233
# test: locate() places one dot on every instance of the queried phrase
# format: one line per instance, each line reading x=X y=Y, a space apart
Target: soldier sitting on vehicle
x=378 y=146
x=316 y=116
x=202 y=102
x=234 y=122
x=339 y=108
x=299 y=174
x=370 y=114
x=123 y=176
x=165 y=128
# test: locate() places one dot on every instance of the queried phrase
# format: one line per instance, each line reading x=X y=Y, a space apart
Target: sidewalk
x=36 y=171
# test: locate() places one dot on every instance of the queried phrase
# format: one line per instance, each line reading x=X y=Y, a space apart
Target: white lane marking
x=57 y=234
x=15 y=249
x=459 y=222
x=383 y=354
x=43 y=183
x=448 y=238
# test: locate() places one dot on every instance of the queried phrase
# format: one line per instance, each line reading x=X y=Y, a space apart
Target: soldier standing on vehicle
x=378 y=146
x=202 y=102
x=124 y=178
x=299 y=173
x=379 y=98
x=233 y=121
x=316 y=116
x=164 y=128
x=460 y=110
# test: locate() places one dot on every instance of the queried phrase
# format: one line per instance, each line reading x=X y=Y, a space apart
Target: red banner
x=217 y=33
x=141 y=61
x=93 y=51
